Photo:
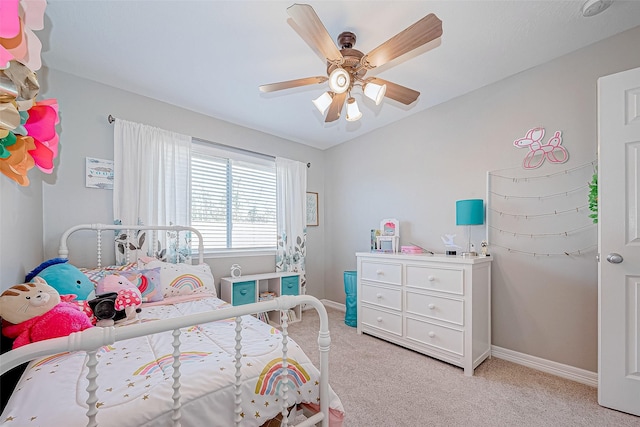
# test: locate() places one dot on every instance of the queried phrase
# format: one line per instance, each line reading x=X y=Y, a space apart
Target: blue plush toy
x=64 y=278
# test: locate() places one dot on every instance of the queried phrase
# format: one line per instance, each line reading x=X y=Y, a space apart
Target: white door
x=619 y=241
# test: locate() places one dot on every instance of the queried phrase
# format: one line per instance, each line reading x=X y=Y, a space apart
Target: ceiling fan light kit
x=322 y=102
x=346 y=67
x=375 y=92
x=353 y=112
x=339 y=80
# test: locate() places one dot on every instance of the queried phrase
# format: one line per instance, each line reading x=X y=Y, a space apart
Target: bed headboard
x=63 y=250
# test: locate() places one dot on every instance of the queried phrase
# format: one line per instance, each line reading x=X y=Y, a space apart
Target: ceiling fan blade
x=336 y=107
x=397 y=92
x=425 y=30
x=272 y=87
x=314 y=31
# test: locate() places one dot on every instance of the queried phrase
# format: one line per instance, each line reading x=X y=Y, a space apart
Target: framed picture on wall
x=99 y=173
x=312 y=208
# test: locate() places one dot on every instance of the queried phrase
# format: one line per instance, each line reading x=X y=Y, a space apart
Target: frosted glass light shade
x=375 y=92
x=339 y=80
x=322 y=102
x=469 y=212
x=353 y=112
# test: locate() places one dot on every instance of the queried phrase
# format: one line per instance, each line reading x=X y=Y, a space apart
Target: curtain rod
x=113 y=119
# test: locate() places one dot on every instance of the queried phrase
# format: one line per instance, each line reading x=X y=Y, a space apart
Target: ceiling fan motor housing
x=351 y=57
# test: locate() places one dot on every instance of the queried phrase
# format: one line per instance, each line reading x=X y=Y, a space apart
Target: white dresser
x=437 y=305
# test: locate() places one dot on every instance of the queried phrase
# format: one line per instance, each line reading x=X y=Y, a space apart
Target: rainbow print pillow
x=182 y=279
x=147 y=281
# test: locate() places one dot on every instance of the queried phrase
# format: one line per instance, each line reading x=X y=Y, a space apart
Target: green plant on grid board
x=593 y=198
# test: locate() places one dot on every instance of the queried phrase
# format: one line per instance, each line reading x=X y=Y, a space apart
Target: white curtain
x=291 y=183
x=151 y=186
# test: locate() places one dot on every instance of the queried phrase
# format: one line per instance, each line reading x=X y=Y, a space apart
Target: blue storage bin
x=351 y=302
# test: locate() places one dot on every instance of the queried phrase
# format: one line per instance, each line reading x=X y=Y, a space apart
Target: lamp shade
x=353 y=112
x=375 y=92
x=469 y=212
x=322 y=102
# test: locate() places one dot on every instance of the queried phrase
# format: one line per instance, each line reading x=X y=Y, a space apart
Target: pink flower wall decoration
x=28 y=135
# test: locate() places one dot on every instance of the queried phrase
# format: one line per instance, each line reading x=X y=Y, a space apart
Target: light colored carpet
x=381 y=384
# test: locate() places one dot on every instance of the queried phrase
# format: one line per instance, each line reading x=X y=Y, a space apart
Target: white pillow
x=182 y=279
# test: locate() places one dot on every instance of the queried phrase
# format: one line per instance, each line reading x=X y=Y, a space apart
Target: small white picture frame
x=99 y=173
x=312 y=209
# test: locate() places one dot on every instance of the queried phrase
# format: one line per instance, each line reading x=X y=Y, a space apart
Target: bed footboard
x=91 y=340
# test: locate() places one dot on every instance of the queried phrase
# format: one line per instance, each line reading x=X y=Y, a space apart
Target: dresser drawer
x=436 y=279
x=290 y=285
x=383 y=320
x=382 y=272
x=385 y=297
x=440 y=308
x=433 y=335
x=244 y=292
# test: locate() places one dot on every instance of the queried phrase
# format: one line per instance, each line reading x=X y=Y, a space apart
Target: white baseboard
x=558 y=369
x=561 y=370
x=333 y=304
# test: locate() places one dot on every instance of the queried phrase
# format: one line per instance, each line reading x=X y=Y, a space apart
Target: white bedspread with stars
x=135 y=377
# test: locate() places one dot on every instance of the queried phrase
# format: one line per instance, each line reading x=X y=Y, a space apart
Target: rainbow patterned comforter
x=135 y=377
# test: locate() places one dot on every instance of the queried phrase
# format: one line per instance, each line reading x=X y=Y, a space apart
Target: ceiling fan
x=347 y=67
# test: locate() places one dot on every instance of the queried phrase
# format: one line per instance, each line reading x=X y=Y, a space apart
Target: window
x=233 y=198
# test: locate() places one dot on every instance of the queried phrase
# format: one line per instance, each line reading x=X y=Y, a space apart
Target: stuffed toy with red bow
x=35 y=311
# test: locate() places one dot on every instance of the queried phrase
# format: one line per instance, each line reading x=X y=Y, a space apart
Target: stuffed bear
x=127 y=299
x=34 y=312
x=65 y=278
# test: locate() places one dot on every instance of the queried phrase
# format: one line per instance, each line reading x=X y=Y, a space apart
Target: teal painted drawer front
x=244 y=292
x=290 y=285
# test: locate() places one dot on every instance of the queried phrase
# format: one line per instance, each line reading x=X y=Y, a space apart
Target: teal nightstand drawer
x=291 y=285
x=244 y=292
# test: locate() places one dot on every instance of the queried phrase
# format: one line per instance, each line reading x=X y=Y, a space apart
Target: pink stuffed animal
x=34 y=312
x=129 y=298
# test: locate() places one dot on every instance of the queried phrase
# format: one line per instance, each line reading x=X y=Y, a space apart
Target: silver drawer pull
x=431 y=306
x=431 y=278
x=432 y=334
x=379 y=319
x=379 y=272
x=379 y=295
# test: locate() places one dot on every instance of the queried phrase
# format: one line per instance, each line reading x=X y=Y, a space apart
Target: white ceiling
x=211 y=56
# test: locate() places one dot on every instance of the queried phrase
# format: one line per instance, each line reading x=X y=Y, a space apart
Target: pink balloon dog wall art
x=539 y=151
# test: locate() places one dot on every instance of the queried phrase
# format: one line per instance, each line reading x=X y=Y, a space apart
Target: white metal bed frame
x=92 y=339
x=63 y=249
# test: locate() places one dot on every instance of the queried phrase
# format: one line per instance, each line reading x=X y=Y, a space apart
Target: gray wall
x=20 y=228
x=417 y=169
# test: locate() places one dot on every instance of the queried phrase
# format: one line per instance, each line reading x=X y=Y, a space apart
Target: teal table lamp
x=469 y=212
